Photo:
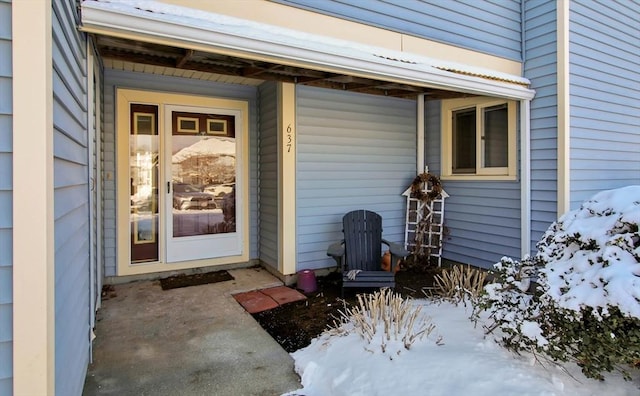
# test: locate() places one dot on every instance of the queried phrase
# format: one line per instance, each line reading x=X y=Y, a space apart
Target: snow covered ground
x=467 y=363
x=590 y=257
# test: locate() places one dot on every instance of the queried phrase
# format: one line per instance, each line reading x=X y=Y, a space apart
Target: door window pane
x=464 y=141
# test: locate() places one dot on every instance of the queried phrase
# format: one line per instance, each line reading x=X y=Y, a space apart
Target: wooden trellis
x=425 y=224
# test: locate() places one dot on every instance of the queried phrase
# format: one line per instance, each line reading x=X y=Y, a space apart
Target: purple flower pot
x=307 y=281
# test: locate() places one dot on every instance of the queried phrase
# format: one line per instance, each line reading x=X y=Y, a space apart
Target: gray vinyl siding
x=268 y=244
x=134 y=80
x=6 y=203
x=354 y=151
x=71 y=201
x=604 y=54
x=482 y=219
x=492 y=27
x=540 y=67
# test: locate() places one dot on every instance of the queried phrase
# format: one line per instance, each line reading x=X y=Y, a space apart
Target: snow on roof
x=348 y=54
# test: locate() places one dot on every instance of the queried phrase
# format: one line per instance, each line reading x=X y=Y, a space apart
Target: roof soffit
x=152 y=33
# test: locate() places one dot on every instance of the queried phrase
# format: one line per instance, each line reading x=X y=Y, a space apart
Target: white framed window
x=479 y=139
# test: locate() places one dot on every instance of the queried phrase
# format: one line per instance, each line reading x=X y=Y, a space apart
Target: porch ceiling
x=140 y=52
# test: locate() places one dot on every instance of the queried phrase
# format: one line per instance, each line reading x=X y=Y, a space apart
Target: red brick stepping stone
x=283 y=294
x=266 y=299
x=255 y=302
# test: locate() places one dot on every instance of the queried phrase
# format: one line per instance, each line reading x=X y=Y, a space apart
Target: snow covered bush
x=586 y=307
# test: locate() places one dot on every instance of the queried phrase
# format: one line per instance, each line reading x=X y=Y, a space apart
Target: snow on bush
x=586 y=307
x=593 y=254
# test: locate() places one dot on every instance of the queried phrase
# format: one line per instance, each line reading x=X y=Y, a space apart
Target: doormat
x=177 y=281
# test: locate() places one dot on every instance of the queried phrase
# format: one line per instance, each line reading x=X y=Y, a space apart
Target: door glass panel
x=143 y=174
x=203 y=174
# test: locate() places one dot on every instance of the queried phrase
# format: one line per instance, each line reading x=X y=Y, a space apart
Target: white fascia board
x=233 y=36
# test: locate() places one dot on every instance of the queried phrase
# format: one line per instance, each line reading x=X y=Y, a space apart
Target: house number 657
x=289 y=138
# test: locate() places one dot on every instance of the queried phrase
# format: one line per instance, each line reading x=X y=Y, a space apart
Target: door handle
x=168 y=187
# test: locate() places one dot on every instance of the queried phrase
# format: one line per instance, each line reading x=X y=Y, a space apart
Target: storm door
x=201 y=157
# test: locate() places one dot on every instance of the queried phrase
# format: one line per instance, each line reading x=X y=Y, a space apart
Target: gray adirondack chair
x=361 y=250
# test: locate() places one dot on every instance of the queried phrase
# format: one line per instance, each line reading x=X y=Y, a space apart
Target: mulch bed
x=294 y=325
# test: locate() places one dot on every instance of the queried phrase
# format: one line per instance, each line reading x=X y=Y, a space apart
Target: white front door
x=202 y=153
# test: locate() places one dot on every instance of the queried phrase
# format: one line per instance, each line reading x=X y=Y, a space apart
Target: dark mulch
x=294 y=325
x=174 y=282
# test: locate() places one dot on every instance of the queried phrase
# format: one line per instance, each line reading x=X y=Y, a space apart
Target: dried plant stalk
x=458 y=281
x=398 y=319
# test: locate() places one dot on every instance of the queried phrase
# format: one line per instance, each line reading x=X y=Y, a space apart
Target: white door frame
x=94 y=95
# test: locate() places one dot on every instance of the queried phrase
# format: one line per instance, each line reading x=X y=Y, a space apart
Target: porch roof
x=236 y=46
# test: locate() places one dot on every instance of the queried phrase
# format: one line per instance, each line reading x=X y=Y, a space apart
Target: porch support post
x=564 y=179
x=287 y=178
x=420 y=134
x=33 y=208
x=525 y=177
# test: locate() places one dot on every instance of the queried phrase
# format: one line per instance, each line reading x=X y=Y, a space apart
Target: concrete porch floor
x=195 y=340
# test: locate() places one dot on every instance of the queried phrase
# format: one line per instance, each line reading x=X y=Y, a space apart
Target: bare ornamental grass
x=385 y=315
x=459 y=281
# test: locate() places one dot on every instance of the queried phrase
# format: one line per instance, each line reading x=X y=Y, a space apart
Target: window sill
x=479 y=177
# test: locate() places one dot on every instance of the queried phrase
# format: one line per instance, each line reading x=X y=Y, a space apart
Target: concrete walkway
x=195 y=340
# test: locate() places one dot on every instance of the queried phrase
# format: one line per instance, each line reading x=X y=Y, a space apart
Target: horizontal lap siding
x=605 y=96
x=6 y=203
x=487 y=26
x=354 y=151
x=481 y=219
x=268 y=176
x=540 y=67
x=71 y=206
x=108 y=177
x=143 y=81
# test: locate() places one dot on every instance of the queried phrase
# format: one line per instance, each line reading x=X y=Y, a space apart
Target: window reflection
x=203 y=169
x=143 y=174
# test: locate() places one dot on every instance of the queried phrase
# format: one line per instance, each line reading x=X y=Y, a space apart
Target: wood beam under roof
x=209 y=62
